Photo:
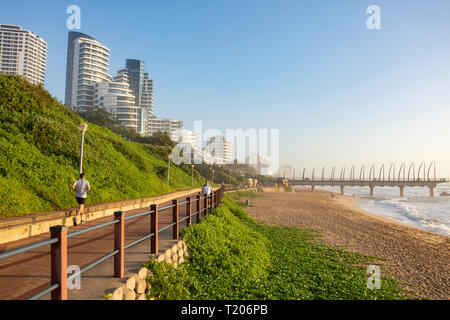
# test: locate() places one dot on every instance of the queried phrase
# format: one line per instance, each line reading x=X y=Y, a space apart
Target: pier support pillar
x=402 y=191
x=371 y=191
x=342 y=190
x=431 y=191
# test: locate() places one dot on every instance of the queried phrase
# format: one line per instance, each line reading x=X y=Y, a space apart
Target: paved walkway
x=26 y=274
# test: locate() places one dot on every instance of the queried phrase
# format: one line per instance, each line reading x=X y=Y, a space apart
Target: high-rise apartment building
x=87 y=64
x=22 y=53
x=142 y=87
x=220 y=150
x=163 y=125
x=118 y=99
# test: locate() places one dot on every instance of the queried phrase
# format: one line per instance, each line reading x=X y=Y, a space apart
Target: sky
x=339 y=93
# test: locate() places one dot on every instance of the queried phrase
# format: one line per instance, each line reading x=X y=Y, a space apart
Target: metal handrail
x=77 y=233
x=139 y=215
x=93 y=264
x=27 y=248
x=41 y=293
x=138 y=241
x=111 y=254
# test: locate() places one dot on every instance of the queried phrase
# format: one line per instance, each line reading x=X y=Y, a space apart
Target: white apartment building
x=22 y=53
x=147 y=104
x=219 y=150
x=164 y=125
x=117 y=98
x=87 y=64
x=147 y=99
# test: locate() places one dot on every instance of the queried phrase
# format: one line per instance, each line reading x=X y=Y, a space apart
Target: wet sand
x=417 y=257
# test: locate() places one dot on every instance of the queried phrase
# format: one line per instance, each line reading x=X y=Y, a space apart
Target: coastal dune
x=417 y=257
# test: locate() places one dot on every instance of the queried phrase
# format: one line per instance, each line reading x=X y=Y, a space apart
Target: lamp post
x=82 y=127
x=168 y=170
x=192 y=174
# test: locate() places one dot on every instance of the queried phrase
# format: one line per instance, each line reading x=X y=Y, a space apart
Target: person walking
x=206 y=190
x=81 y=186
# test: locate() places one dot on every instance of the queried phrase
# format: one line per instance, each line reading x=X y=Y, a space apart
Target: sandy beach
x=414 y=256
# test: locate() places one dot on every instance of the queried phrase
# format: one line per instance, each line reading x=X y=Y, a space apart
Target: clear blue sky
x=338 y=92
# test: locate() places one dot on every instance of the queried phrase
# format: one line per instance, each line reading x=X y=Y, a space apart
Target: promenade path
x=24 y=275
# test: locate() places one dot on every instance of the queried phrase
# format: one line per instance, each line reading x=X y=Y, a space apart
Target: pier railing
x=59 y=238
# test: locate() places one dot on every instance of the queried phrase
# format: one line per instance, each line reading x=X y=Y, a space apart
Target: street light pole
x=168 y=170
x=82 y=127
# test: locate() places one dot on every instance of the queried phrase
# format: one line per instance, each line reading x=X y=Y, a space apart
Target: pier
x=393 y=179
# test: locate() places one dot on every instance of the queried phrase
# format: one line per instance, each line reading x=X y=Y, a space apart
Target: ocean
x=416 y=209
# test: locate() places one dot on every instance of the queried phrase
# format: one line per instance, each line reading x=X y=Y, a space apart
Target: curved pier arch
x=422 y=165
x=413 y=166
x=400 y=171
x=372 y=171
x=381 y=170
x=433 y=163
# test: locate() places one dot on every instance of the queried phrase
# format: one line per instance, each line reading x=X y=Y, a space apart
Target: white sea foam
x=416 y=208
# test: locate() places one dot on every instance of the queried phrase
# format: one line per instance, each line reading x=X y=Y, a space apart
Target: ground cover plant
x=233 y=257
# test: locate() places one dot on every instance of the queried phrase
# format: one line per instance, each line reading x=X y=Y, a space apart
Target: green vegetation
x=288 y=189
x=233 y=174
x=246 y=194
x=233 y=257
x=103 y=118
x=39 y=154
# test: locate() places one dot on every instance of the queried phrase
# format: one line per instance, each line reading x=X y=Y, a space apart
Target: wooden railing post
x=198 y=207
x=59 y=262
x=206 y=204
x=189 y=211
x=154 y=229
x=119 y=244
x=175 y=219
x=215 y=199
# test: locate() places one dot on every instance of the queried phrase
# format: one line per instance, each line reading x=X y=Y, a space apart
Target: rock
x=142 y=274
x=167 y=259
x=141 y=285
x=168 y=252
x=180 y=245
x=180 y=260
x=175 y=265
x=175 y=248
x=131 y=283
x=160 y=258
x=141 y=297
x=180 y=253
x=130 y=295
x=174 y=257
x=117 y=294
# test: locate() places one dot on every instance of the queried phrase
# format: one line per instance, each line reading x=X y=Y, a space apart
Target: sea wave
x=416 y=209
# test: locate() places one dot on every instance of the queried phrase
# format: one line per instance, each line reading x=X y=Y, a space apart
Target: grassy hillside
x=232 y=257
x=39 y=154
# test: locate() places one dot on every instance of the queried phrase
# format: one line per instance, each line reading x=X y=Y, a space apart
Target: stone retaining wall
x=136 y=287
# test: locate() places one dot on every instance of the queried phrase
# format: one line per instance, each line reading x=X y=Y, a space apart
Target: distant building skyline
x=22 y=52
